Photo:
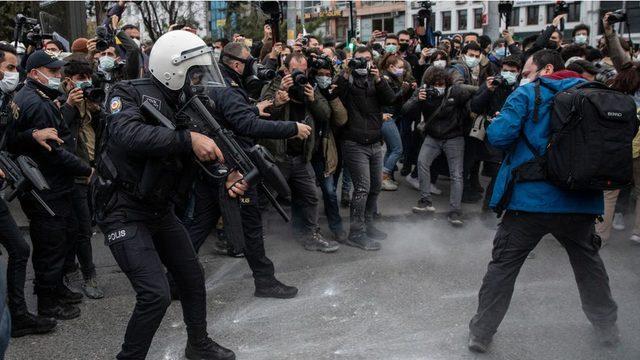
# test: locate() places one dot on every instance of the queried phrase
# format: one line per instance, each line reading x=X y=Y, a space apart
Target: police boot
x=204 y=348
x=52 y=308
x=66 y=296
x=275 y=289
x=29 y=324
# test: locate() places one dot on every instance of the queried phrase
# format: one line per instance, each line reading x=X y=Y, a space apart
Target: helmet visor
x=203 y=77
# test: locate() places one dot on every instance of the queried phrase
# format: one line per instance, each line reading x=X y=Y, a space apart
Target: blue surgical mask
x=84 y=84
x=52 y=82
x=106 y=63
x=398 y=72
x=323 y=81
x=580 y=39
x=391 y=48
x=500 y=52
x=509 y=77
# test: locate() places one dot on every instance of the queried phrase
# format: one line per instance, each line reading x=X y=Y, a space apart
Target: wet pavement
x=411 y=300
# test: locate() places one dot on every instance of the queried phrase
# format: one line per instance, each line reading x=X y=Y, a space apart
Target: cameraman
x=295 y=99
x=443 y=105
x=364 y=92
x=487 y=102
x=82 y=116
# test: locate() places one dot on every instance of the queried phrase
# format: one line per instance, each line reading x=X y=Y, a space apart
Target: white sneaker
x=618 y=221
x=414 y=182
x=388 y=185
x=635 y=238
x=434 y=190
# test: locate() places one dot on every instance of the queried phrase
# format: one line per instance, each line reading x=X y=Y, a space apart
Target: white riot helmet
x=180 y=57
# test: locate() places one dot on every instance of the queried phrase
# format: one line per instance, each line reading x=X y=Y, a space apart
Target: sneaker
x=317 y=242
x=434 y=190
x=424 y=206
x=635 y=238
x=618 y=221
x=340 y=236
x=608 y=335
x=207 y=349
x=389 y=185
x=375 y=233
x=29 y=324
x=455 y=218
x=413 y=181
x=276 y=290
x=91 y=289
x=363 y=242
x=66 y=296
x=478 y=344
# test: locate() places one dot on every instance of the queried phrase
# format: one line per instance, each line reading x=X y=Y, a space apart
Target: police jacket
x=364 y=99
x=144 y=159
x=235 y=111
x=36 y=110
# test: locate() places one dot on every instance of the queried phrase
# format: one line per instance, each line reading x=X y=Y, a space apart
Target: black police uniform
x=51 y=235
x=235 y=111
x=147 y=163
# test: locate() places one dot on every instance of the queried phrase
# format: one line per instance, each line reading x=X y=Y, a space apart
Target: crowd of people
x=353 y=119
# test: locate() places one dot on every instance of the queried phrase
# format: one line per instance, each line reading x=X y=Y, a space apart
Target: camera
x=320 y=62
x=93 y=94
x=299 y=78
x=498 y=80
x=560 y=8
x=358 y=63
x=431 y=91
x=105 y=38
x=617 y=16
x=424 y=14
x=264 y=73
x=30 y=30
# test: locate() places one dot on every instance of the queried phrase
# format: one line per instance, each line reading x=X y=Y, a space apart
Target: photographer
x=468 y=67
x=295 y=99
x=487 y=102
x=363 y=92
x=615 y=50
x=82 y=116
x=51 y=235
x=443 y=106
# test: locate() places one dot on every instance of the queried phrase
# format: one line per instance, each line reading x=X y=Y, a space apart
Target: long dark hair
x=628 y=78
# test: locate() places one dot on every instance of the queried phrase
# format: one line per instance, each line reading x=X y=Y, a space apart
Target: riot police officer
x=141 y=166
x=235 y=111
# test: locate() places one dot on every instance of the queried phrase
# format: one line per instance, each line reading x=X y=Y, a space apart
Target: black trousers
x=18 y=251
x=304 y=193
x=81 y=247
x=518 y=234
x=51 y=237
x=143 y=249
x=204 y=218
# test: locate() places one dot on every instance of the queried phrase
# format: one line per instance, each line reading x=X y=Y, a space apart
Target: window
x=385 y=24
x=532 y=15
x=477 y=18
x=515 y=16
x=388 y=25
x=446 y=21
x=462 y=19
x=550 y=8
x=574 y=12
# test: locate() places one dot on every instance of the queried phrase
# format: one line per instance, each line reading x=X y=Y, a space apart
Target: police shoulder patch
x=116 y=105
x=156 y=103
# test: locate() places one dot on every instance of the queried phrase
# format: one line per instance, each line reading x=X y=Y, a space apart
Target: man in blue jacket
x=539 y=208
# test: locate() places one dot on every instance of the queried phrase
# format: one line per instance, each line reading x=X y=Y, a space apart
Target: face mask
x=440 y=90
x=524 y=82
x=500 y=52
x=440 y=64
x=404 y=47
x=580 y=39
x=362 y=72
x=106 y=63
x=137 y=41
x=323 y=81
x=398 y=72
x=84 y=84
x=509 y=77
x=9 y=82
x=53 y=83
x=471 y=61
x=391 y=48
x=216 y=54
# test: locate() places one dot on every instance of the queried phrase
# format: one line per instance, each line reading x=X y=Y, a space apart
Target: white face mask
x=137 y=41
x=9 y=82
x=361 y=72
x=524 y=81
x=441 y=64
x=580 y=39
x=440 y=90
x=471 y=61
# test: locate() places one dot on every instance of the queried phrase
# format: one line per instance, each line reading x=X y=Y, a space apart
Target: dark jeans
x=304 y=194
x=410 y=141
x=143 y=249
x=365 y=165
x=518 y=234
x=206 y=213
x=82 y=246
x=474 y=151
x=329 y=197
x=51 y=236
x=18 y=251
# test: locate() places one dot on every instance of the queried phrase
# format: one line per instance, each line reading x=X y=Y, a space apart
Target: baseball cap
x=44 y=58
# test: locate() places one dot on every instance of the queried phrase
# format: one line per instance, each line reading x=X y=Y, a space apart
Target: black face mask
x=404 y=47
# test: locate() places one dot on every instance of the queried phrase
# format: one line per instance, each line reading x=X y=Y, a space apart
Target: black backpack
x=590 y=141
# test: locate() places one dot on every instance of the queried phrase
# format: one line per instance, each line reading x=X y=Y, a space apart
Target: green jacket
x=317 y=115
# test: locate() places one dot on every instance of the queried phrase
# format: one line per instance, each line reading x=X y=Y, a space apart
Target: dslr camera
x=560 y=8
x=30 y=30
x=617 y=16
x=498 y=80
x=358 y=63
x=431 y=91
x=320 y=62
x=93 y=94
x=299 y=78
x=105 y=38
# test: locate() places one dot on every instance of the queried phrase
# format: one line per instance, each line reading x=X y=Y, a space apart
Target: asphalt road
x=411 y=300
